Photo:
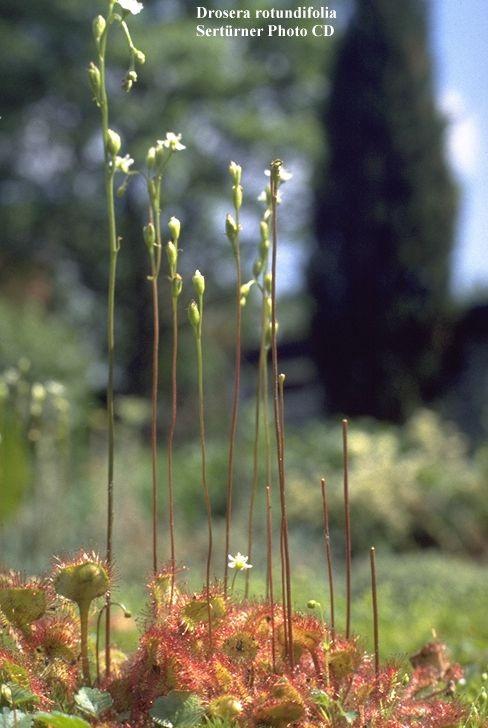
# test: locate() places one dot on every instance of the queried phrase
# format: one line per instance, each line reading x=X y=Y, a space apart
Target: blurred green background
x=369 y=324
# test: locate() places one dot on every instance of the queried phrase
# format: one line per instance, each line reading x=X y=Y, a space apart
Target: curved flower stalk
x=157 y=159
x=117 y=13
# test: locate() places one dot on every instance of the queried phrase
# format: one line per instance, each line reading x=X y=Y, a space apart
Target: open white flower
x=239 y=562
x=132 y=6
x=123 y=164
x=172 y=141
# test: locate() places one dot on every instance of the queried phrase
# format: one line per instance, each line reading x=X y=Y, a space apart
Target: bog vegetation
x=220 y=656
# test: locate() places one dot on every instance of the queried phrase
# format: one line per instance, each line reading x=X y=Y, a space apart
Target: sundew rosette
x=81 y=580
x=22 y=600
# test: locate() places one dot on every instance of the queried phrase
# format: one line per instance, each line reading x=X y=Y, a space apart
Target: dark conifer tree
x=385 y=212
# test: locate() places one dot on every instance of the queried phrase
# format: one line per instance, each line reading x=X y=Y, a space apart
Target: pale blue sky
x=460 y=45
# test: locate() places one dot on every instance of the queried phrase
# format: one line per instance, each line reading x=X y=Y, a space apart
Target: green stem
x=155 y=266
x=235 y=405
x=84 y=608
x=278 y=415
x=154 y=418
x=201 y=416
x=255 y=475
x=99 y=620
x=171 y=435
x=113 y=251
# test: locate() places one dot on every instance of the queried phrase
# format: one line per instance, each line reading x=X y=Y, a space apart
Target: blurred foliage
x=230 y=98
x=411 y=486
x=43 y=347
x=35 y=430
x=385 y=215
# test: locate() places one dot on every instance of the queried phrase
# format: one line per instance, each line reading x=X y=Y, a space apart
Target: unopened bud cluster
x=174 y=227
x=232 y=227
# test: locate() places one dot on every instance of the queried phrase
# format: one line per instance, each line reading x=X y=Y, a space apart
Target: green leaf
x=350 y=717
x=93 y=702
x=14 y=719
x=60 y=720
x=16 y=695
x=178 y=709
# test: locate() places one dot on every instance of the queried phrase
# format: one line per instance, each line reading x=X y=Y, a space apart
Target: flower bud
x=194 y=315
x=198 y=283
x=151 y=157
x=281 y=379
x=245 y=288
x=264 y=248
x=172 y=255
x=268 y=282
x=257 y=267
x=140 y=56
x=312 y=604
x=275 y=171
x=95 y=82
x=264 y=230
x=160 y=154
x=174 y=226
x=176 y=285
x=113 y=142
x=237 y=195
x=99 y=25
x=129 y=80
x=235 y=171
x=269 y=306
x=231 y=229
x=149 y=235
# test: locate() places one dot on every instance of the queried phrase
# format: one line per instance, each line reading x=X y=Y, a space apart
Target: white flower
x=123 y=164
x=265 y=196
x=284 y=174
x=172 y=141
x=235 y=171
x=239 y=562
x=132 y=6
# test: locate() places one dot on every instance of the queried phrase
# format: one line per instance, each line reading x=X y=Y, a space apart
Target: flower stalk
x=176 y=288
x=157 y=159
x=374 y=598
x=233 y=229
x=278 y=414
x=347 y=526
x=260 y=271
x=195 y=315
x=328 y=554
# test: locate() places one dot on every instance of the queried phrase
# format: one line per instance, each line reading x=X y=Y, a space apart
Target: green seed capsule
x=149 y=235
x=194 y=315
x=99 y=25
x=198 y=283
x=113 y=142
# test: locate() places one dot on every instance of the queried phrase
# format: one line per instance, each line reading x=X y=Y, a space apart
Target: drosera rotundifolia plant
x=207 y=658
